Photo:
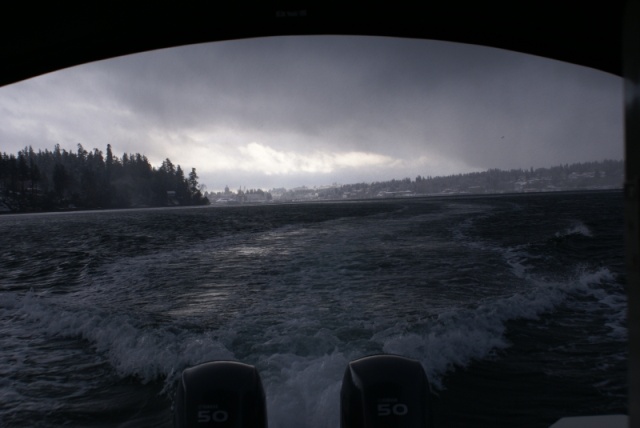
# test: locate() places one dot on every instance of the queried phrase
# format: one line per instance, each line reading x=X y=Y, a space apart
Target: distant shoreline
x=318 y=202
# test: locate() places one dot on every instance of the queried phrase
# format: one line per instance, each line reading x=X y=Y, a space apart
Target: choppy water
x=515 y=306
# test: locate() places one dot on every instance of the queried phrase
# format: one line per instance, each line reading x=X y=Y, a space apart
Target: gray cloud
x=429 y=107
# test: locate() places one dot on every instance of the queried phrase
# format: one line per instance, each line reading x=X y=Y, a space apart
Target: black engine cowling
x=385 y=391
x=220 y=394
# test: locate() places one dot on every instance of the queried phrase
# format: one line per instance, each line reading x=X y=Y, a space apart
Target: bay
x=514 y=305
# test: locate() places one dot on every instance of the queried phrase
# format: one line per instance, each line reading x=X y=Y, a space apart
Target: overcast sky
x=314 y=110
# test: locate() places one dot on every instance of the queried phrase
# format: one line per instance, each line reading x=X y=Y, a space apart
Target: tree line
x=582 y=175
x=61 y=179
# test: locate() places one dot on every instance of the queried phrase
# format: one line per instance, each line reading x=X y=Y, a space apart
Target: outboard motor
x=220 y=394
x=385 y=391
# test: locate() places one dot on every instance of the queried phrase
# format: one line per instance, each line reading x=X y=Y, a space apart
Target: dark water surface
x=515 y=306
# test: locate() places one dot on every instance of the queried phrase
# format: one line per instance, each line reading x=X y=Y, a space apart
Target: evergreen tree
x=59 y=179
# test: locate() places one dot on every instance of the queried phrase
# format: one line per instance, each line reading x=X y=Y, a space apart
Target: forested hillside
x=59 y=179
x=606 y=174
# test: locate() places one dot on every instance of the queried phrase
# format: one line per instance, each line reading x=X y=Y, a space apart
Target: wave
x=459 y=337
x=446 y=284
x=131 y=347
x=577 y=228
x=452 y=338
x=302 y=390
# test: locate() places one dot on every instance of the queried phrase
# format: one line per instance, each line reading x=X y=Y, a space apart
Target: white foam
x=303 y=391
x=461 y=336
x=517 y=259
x=577 y=228
x=612 y=301
x=303 y=387
x=131 y=348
